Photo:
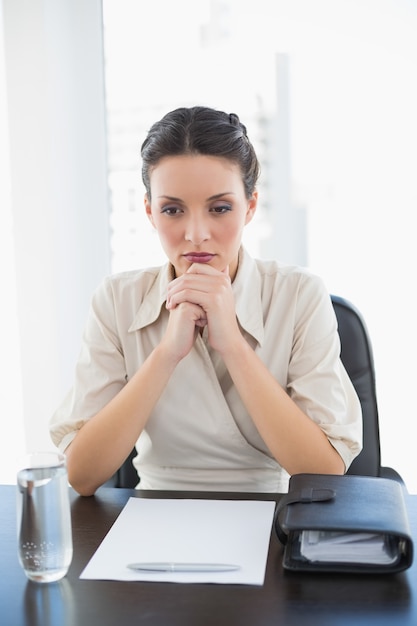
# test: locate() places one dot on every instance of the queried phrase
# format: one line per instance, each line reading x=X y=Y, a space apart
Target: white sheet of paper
x=189 y=530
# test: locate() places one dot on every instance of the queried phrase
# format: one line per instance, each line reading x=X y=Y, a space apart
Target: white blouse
x=199 y=435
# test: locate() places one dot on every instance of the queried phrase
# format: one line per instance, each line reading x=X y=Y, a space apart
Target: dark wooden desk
x=286 y=598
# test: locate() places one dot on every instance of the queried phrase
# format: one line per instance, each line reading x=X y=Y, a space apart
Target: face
x=199 y=210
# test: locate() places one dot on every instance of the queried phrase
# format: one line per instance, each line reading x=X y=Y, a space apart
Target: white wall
x=10 y=381
x=58 y=194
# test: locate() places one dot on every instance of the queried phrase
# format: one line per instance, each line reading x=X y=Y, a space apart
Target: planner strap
x=306 y=495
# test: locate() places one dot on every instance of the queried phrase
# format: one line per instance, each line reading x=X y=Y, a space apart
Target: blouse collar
x=246 y=288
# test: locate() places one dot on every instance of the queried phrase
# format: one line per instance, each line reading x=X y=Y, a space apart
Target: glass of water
x=44 y=532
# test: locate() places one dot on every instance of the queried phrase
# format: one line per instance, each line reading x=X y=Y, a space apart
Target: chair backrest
x=127 y=475
x=357 y=357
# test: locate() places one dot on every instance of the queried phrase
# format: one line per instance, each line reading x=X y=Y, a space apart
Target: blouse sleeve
x=317 y=380
x=100 y=371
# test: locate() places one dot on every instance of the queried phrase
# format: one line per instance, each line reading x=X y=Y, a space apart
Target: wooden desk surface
x=286 y=598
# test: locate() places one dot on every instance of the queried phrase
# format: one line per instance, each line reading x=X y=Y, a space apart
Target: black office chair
x=357 y=357
x=126 y=476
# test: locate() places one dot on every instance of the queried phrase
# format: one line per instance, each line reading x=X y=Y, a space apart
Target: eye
x=171 y=210
x=220 y=209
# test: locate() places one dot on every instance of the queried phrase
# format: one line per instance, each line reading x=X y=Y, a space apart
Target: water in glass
x=44 y=521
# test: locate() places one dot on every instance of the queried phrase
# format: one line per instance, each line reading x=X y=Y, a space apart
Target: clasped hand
x=201 y=297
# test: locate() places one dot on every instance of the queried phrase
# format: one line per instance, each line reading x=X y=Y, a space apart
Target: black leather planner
x=344 y=524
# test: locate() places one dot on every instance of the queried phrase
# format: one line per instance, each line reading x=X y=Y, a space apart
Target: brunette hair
x=200 y=130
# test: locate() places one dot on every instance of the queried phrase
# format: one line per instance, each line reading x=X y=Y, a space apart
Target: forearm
x=103 y=443
x=295 y=440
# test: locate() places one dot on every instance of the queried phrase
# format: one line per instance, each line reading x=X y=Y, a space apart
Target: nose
x=197 y=230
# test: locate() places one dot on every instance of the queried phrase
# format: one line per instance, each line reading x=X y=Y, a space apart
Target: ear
x=148 y=209
x=252 y=205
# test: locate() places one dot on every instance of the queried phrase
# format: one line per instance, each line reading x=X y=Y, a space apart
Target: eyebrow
x=216 y=196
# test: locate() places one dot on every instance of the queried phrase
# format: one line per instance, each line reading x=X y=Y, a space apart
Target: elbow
x=79 y=479
x=81 y=486
x=83 y=490
x=335 y=465
x=319 y=464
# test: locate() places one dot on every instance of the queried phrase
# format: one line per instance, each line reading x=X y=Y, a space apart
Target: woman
x=223 y=370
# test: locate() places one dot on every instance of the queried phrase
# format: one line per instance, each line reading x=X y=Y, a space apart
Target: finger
x=202 y=268
x=186 y=285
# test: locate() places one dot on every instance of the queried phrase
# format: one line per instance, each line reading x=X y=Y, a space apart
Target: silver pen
x=183 y=567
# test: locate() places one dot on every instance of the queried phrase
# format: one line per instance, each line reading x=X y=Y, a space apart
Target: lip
x=199 y=257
